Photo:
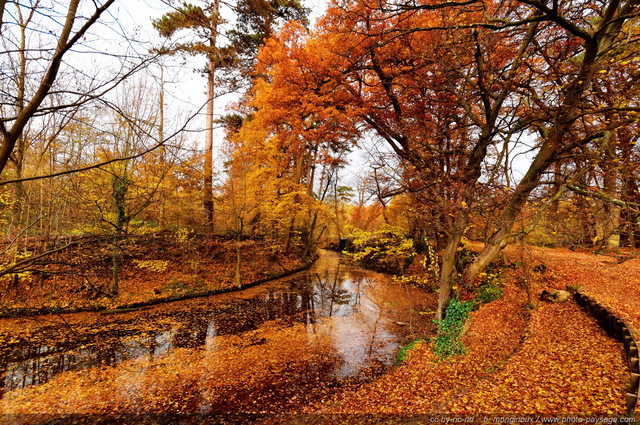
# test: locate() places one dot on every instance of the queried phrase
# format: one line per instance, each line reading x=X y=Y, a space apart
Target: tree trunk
x=290 y=231
x=120 y=187
x=19 y=152
x=238 y=263
x=448 y=269
x=116 y=265
x=612 y=212
x=239 y=232
x=208 y=149
x=567 y=113
x=529 y=182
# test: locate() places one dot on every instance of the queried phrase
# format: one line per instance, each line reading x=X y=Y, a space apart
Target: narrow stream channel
x=331 y=324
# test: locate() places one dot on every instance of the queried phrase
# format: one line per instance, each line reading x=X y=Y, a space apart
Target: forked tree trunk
x=553 y=143
x=529 y=182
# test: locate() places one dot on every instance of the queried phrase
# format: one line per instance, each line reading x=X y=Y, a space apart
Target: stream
x=270 y=344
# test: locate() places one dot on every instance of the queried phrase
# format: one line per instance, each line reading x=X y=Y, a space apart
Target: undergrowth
x=489 y=288
x=450 y=328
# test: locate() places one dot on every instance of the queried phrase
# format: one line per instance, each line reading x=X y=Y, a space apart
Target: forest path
x=612 y=280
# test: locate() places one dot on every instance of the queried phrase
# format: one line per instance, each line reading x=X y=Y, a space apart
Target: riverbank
x=269 y=350
x=156 y=269
x=524 y=357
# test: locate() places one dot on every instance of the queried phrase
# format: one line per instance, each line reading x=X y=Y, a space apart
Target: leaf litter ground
x=524 y=357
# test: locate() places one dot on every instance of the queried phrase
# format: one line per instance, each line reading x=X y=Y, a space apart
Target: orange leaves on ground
x=550 y=360
x=423 y=384
x=613 y=281
x=566 y=366
x=558 y=362
x=244 y=373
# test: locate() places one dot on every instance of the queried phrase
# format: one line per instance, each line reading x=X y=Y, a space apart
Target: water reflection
x=355 y=309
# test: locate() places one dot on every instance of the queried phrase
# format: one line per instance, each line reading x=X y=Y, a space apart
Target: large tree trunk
x=448 y=268
x=611 y=188
x=529 y=182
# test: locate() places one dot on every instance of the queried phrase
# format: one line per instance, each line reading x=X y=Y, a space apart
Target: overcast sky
x=186 y=87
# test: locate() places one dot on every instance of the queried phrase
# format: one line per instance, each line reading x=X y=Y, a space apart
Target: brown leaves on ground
x=155 y=267
x=556 y=363
x=237 y=373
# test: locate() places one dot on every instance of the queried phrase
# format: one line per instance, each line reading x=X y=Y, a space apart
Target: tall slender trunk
x=208 y=148
x=239 y=255
x=120 y=187
x=21 y=144
x=161 y=201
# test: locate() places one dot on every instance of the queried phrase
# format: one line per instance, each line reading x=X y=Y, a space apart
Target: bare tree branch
x=65 y=42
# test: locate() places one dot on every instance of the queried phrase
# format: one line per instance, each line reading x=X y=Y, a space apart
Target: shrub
x=487 y=293
x=490 y=288
x=386 y=250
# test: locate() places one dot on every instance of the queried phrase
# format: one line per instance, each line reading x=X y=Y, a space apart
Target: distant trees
x=64 y=126
x=86 y=147
x=133 y=184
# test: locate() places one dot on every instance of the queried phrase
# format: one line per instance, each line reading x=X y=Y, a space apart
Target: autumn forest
x=187 y=237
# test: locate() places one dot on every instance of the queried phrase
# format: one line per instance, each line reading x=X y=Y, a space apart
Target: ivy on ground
x=450 y=328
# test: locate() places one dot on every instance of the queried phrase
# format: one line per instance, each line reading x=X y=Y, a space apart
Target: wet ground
x=265 y=349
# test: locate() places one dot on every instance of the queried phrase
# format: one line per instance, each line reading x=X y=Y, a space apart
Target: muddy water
x=347 y=323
